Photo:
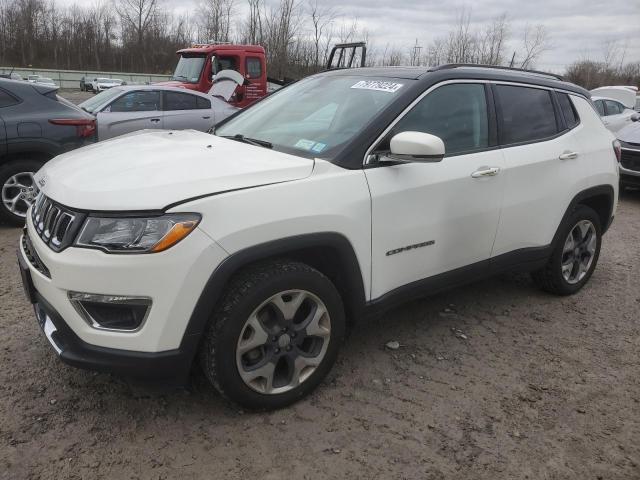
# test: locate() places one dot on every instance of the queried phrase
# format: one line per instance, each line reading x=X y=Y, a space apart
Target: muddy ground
x=494 y=380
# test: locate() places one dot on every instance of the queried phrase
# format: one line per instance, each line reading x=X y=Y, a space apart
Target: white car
x=32 y=78
x=250 y=250
x=45 y=81
x=97 y=85
x=629 y=138
x=615 y=105
x=121 y=110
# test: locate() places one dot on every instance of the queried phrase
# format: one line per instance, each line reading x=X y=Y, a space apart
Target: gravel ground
x=494 y=380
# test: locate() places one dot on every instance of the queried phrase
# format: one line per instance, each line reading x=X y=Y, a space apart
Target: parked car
x=333 y=199
x=629 y=138
x=126 y=109
x=32 y=78
x=11 y=76
x=35 y=125
x=85 y=84
x=100 y=84
x=615 y=105
x=46 y=81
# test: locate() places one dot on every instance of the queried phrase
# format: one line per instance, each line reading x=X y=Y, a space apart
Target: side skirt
x=526 y=259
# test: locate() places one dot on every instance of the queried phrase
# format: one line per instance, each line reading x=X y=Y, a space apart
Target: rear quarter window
x=526 y=114
x=6 y=99
x=568 y=110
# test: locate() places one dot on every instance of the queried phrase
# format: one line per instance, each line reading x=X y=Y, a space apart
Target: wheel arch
x=330 y=253
x=600 y=198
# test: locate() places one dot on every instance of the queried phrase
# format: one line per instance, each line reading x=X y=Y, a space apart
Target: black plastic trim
x=171 y=367
x=219 y=279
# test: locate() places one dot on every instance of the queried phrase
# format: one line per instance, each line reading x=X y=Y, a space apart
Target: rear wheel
x=274 y=336
x=17 y=190
x=575 y=256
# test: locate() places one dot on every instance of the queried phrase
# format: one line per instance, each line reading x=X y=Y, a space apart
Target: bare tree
x=535 y=41
x=215 y=19
x=322 y=19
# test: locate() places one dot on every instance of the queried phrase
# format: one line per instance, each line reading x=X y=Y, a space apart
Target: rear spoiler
x=45 y=89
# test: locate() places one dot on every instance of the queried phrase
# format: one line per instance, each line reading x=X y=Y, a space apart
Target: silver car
x=125 y=109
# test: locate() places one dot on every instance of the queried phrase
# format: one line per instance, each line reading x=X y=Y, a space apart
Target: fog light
x=111 y=312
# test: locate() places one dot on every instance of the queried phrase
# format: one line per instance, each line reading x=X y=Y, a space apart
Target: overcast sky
x=577 y=29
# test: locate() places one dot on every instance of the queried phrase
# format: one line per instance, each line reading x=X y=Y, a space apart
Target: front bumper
x=173 y=279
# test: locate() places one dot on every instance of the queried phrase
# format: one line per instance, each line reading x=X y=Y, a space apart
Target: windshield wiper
x=251 y=141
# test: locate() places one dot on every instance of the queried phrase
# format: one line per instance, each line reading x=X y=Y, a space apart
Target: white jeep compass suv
x=251 y=249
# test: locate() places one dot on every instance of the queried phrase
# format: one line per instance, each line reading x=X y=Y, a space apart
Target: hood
x=624 y=95
x=630 y=133
x=151 y=169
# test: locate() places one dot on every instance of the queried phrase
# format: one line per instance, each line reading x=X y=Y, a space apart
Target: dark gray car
x=35 y=126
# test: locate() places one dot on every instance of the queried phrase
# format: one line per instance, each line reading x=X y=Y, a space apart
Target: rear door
x=543 y=162
x=184 y=110
x=6 y=102
x=135 y=110
x=256 y=79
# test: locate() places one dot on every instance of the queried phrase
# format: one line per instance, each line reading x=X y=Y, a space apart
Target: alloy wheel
x=18 y=193
x=579 y=251
x=283 y=341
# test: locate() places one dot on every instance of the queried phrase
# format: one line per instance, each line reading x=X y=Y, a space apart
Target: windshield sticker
x=303 y=144
x=389 y=87
x=318 y=147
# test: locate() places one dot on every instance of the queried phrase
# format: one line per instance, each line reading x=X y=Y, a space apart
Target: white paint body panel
x=152 y=169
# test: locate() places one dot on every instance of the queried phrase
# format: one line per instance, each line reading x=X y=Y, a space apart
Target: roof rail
x=496 y=67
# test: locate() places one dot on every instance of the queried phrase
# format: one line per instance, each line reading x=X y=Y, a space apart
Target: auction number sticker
x=390 y=87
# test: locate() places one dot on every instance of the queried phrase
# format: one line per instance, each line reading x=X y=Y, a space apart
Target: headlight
x=136 y=235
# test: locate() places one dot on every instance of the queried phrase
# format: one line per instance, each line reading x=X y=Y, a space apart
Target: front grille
x=32 y=256
x=630 y=159
x=55 y=224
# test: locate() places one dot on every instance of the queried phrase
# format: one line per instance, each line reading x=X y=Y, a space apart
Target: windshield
x=99 y=100
x=317 y=116
x=189 y=69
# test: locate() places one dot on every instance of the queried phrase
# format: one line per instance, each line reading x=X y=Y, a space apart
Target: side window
x=6 y=100
x=140 y=101
x=203 y=103
x=254 y=68
x=226 y=63
x=527 y=114
x=613 y=108
x=568 y=110
x=455 y=113
x=180 y=101
x=600 y=107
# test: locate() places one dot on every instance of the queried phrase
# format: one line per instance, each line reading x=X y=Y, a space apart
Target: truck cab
x=199 y=63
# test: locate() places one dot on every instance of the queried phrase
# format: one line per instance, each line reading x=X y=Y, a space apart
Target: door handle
x=486 y=172
x=568 y=156
x=155 y=120
x=206 y=118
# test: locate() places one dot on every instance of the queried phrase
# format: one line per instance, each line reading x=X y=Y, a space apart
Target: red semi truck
x=199 y=63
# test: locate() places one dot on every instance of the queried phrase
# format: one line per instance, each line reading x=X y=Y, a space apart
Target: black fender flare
x=219 y=279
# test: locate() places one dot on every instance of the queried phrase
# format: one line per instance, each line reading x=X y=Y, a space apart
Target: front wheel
x=274 y=336
x=575 y=256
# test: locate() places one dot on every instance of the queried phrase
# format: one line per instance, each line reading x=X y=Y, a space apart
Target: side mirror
x=416 y=147
x=635 y=117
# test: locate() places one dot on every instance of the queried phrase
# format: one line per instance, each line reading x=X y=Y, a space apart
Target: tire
x=579 y=255
x=15 y=177
x=233 y=353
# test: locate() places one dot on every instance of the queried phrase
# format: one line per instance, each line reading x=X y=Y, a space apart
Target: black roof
x=433 y=75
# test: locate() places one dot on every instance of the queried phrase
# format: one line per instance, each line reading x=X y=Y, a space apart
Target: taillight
x=617 y=150
x=85 y=127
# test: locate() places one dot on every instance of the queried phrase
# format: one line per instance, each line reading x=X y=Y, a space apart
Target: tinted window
x=527 y=114
x=6 y=100
x=183 y=101
x=613 y=108
x=203 y=103
x=600 y=107
x=568 y=110
x=254 y=69
x=455 y=113
x=142 y=101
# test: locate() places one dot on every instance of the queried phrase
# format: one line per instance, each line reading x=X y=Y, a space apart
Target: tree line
x=143 y=35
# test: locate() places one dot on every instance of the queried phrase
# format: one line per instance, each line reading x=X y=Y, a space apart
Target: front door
x=431 y=218
x=136 y=110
